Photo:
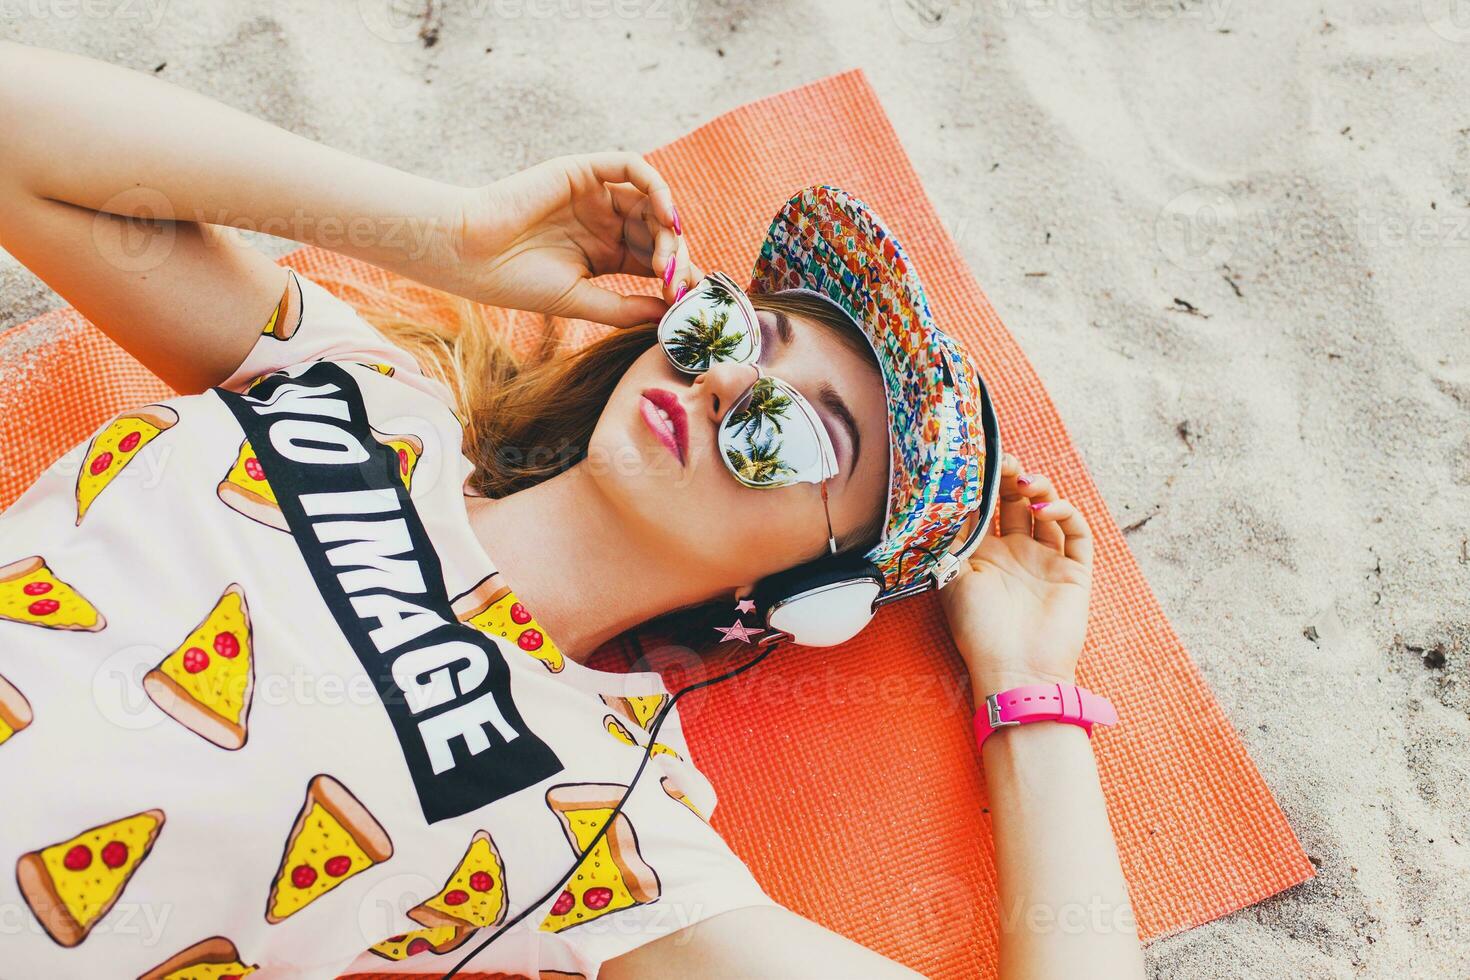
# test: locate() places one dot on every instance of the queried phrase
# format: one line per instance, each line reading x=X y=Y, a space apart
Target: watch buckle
x=992 y=712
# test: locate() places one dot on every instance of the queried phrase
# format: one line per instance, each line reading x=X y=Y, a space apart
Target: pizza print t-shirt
x=266 y=705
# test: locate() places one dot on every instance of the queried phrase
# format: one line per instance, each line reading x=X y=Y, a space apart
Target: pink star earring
x=740 y=632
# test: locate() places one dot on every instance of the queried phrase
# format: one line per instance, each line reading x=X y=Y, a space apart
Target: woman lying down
x=349 y=577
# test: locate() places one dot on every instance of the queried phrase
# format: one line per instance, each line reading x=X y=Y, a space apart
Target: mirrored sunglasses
x=771 y=436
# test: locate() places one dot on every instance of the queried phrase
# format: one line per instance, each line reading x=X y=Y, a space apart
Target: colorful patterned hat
x=827 y=242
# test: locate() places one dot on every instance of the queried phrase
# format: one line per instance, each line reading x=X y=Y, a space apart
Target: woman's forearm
x=1064 y=907
x=108 y=139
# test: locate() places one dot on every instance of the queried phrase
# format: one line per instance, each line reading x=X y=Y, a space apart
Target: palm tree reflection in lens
x=704 y=338
x=720 y=296
x=756 y=423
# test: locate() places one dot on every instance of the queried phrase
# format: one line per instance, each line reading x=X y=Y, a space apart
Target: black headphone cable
x=642 y=764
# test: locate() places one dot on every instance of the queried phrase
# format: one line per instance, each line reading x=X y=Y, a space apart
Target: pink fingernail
x=1039 y=506
x=669 y=269
x=678 y=228
x=683 y=288
x=1023 y=481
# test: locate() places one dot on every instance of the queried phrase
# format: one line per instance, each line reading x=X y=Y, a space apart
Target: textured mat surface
x=848 y=779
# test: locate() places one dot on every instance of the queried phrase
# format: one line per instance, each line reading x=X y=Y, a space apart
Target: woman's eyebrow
x=783 y=327
x=830 y=397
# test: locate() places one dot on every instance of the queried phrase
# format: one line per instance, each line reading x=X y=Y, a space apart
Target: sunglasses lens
x=707 y=326
x=772 y=438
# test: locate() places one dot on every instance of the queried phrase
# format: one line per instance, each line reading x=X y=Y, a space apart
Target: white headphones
x=828 y=601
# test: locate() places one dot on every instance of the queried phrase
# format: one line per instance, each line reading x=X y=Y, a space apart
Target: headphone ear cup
x=822 y=603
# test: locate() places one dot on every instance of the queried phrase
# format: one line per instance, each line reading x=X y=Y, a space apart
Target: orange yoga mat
x=848 y=777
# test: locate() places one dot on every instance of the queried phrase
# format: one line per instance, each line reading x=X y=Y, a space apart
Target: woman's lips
x=666 y=418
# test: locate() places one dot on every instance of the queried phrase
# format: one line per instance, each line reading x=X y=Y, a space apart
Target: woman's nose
x=723 y=384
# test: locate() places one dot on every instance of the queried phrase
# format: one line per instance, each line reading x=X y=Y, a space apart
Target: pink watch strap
x=1066 y=703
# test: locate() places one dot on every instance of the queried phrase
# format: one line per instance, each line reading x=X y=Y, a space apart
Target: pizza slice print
x=620 y=732
x=31 y=593
x=207 y=682
x=640 y=709
x=215 y=958
x=675 y=793
x=613 y=875
x=15 y=711
x=71 y=885
x=285 y=319
x=474 y=896
x=436 y=939
x=115 y=447
x=246 y=490
x=494 y=610
x=333 y=839
x=408 y=447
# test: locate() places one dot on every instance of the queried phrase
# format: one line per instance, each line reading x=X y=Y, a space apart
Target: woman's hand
x=534 y=240
x=1018 y=613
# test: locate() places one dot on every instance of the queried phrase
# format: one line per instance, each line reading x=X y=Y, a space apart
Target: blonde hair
x=530 y=414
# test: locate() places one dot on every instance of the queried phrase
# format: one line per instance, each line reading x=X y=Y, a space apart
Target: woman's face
x=667 y=479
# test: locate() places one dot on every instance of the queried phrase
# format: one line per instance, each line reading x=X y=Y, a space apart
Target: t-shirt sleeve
x=310 y=324
x=698 y=875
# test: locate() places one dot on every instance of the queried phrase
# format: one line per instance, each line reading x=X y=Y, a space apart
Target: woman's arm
x=1018 y=614
x=1064 y=907
x=89 y=145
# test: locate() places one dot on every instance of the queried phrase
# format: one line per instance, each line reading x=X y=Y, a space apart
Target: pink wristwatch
x=1043 y=702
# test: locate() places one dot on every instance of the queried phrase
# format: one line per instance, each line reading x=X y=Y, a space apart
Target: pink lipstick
x=667 y=420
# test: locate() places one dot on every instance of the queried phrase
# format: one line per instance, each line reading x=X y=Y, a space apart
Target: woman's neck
x=569 y=556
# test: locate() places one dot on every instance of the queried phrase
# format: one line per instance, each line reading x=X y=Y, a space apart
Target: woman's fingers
x=650 y=248
x=630 y=168
x=1015 y=517
x=1030 y=505
x=671 y=262
x=589 y=301
x=1071 y=527
x=1039 y=494
x=637 y=230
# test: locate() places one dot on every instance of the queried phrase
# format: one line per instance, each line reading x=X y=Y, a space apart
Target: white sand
x=1294 y=455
